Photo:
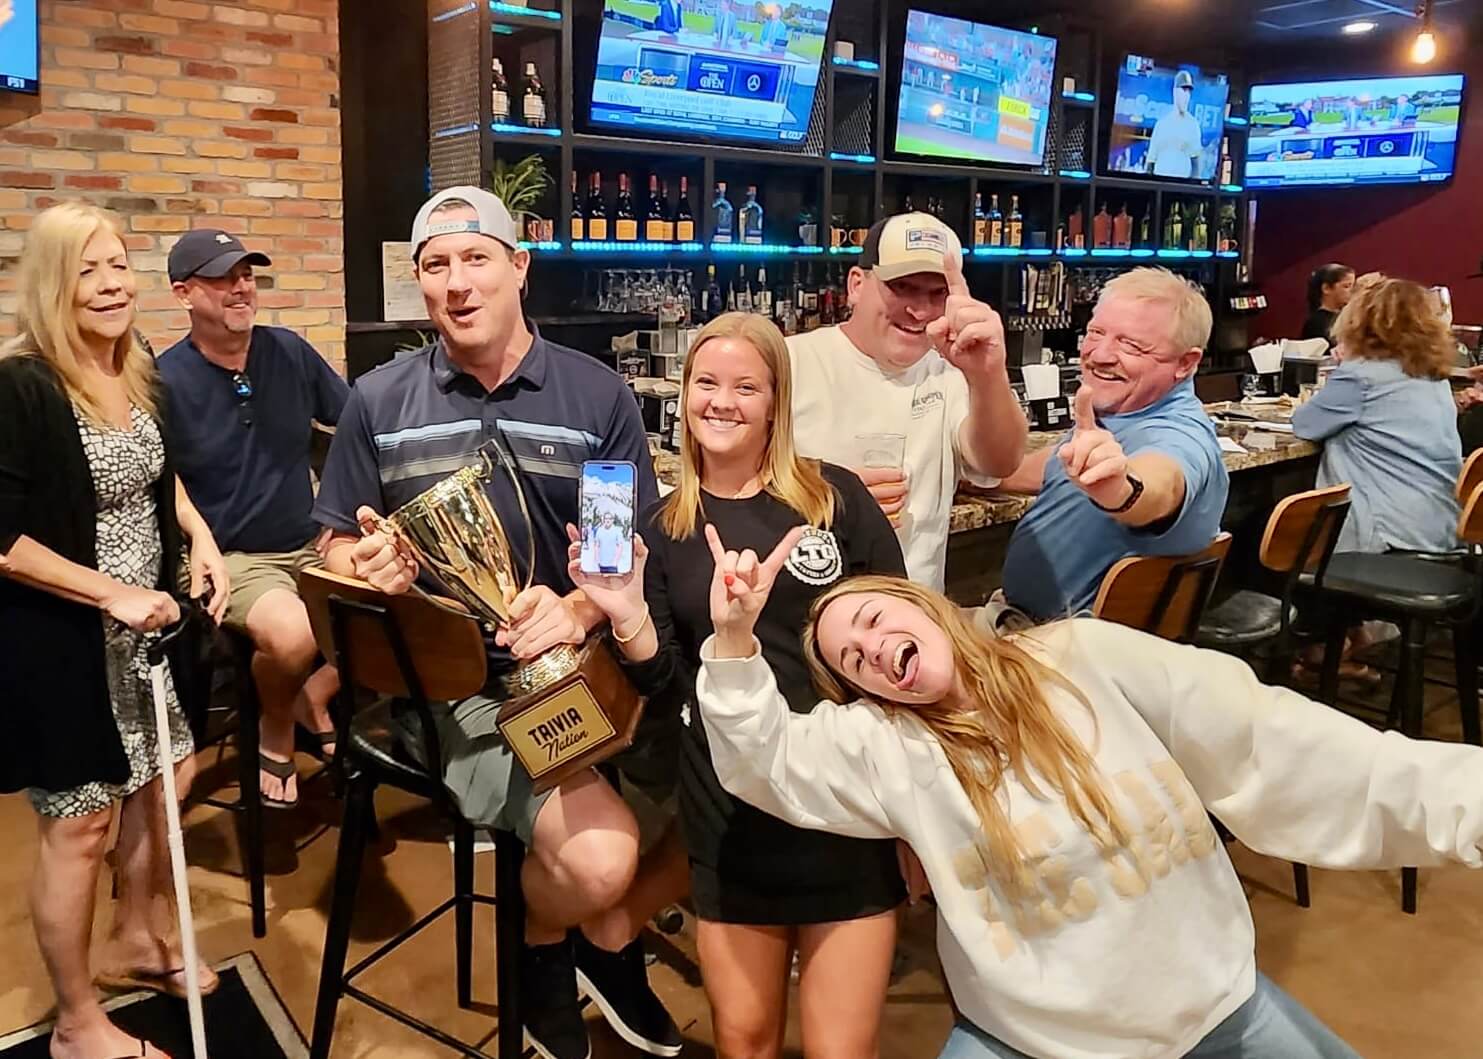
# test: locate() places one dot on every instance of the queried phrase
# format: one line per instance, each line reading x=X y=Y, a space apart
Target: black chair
x=411 y=651
x=1417 y=593
x=1300 y=538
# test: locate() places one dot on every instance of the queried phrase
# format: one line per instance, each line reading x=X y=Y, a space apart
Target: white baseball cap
x=906 y=244
x=493 y=218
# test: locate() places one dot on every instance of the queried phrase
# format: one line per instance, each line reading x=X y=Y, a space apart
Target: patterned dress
x=125 y=465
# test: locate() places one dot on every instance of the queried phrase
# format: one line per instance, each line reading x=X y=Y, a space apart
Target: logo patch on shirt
x=925 y=239
x=815 y=559
x=923 y=403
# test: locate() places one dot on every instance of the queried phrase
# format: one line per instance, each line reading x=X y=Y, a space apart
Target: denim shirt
x=1393 y=438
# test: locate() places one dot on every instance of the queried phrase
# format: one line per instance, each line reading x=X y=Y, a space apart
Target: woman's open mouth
x=904 y=664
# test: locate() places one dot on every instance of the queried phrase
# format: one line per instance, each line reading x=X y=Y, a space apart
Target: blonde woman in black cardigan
x=91 y=518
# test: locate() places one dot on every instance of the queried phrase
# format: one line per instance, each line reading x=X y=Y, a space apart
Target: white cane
x=156 y=655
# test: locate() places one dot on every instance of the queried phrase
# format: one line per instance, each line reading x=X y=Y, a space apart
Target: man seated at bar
x=242 y=402
x=1141 y=473
x=411 y=423
x=920 y=358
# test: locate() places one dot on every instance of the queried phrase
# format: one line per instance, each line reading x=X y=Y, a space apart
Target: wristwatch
x=1126 y=505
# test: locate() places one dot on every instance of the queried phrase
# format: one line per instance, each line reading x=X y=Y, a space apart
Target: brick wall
x=179 y=115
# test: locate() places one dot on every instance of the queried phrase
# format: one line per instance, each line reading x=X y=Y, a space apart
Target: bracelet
x=622 y=640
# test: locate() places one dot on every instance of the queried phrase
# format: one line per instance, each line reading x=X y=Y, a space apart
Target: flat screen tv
x=974 y=91
x=1368 y=130
x=20 y=57
x=1167 y=121
x=719 y=69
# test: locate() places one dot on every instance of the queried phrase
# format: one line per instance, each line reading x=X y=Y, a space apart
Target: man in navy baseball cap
x=210 y=253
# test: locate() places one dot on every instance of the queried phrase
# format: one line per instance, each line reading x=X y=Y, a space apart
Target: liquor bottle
x=684 y=219
x=654 y=213
x=626 y=221
x=750 y=218
x=499 y=92
x=810 y=300
x=1227 y=227
x=1015 y=229
x=1102 y=228
x=1174 y=228
x=722 y=214
x=711 y=299
x=1145 y=229
x=1200 y=231
x=941 y=212
x=842 y=309
x=731 y=300
x=907 y=207
x=743 y=290
x=668 y=220
x=597 y=211
x=798 y=295
x=578 y=219
x=1122 y=228
x=980 y=221
x=1076 y=233
x=996 y=222
x=826 y=304
x=1060 y=238
x=762 y=302
x=1227 y=164
x=533 y=104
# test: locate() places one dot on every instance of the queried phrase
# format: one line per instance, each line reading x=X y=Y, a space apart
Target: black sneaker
x=548 y=1002
x=618 y=984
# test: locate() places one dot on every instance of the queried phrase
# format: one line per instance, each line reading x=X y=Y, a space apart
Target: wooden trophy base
x=580 y=719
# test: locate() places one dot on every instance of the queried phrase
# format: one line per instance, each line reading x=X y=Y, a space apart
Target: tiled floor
x=1395 y=986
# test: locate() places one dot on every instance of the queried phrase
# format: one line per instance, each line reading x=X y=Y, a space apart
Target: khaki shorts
x=255 y=574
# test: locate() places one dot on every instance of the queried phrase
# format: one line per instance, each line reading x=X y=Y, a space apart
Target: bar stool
x=1416 y=593
x=1162 y=595
x=1300 y=538
x=405 y=648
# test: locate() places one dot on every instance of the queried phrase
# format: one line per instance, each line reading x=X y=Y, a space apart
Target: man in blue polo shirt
x=408 y=425
x=242 y=402
x=1141 y=473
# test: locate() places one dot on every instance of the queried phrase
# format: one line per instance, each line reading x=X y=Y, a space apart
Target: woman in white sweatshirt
x=1055 y=786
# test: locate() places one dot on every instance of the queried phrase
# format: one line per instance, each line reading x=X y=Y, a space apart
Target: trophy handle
x=487 y=471
x=388 y=527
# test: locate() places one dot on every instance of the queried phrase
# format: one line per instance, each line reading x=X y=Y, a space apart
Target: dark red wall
x=1431 y=235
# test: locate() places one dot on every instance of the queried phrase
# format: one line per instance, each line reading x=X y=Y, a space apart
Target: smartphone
x=607 y=507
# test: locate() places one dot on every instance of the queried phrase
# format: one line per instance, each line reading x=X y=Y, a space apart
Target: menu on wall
x=401 y=297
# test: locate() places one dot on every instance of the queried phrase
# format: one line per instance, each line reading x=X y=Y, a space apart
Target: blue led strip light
x=523 y=130
x=525 y=12
x=856 y=64
x=611 y=246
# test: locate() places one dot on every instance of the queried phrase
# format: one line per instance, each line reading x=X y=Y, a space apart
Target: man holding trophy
x=403 y=498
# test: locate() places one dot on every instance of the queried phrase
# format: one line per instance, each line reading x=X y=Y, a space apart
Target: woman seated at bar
x=1055 y=785
x=1389 y=427
x=762 y=888
x=91 y=524
x=1329 y=290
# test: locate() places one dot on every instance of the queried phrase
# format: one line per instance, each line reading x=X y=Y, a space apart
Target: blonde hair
x=47 y=314
x=1396 y=319
x=794 y=481
x=1011 y=726
x=1193 y=321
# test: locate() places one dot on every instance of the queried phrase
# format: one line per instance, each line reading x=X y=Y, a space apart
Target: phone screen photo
x=607 y=504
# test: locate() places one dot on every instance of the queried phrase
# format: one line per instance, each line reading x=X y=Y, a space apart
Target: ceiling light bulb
x=1356 y=28
x=1424 y=49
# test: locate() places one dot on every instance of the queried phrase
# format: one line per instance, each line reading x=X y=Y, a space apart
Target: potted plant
x=521 y=187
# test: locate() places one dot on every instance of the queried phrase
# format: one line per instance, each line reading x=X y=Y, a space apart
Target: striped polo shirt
x=412 y=422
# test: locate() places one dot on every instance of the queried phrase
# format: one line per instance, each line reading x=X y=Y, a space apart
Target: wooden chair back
x=445 y=650
x=1471 y=476
x=1303 y=530
x=1163 y=595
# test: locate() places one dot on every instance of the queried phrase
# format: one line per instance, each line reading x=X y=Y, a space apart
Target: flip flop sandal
x=282 y=771
x=143 y=1049
x=167 y=983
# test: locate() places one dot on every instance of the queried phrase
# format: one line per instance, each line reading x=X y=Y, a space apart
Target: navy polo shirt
x=251 y=481
x=414 y=421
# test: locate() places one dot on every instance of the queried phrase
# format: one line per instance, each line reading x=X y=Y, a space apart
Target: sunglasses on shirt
x=242 y=387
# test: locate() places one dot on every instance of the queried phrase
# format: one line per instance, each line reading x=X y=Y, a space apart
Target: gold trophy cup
x=571 y=707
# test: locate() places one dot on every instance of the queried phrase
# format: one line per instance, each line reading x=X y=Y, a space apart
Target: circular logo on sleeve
x=815 y=559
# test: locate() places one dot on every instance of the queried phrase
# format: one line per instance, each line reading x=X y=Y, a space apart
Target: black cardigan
x=58 y=726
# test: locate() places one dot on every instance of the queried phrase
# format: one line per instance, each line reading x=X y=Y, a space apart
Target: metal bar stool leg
x=1412 y=706
x=463 y=892
x=1333 y=654
x=509 y=909
x=359 y=807
x=1464 y=650
x=249 y=712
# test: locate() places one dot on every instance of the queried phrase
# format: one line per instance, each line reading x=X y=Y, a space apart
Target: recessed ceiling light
x=1356 y=28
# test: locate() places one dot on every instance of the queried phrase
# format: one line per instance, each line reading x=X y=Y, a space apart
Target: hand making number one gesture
x=1093 y=459
x=969 y=333
x=740 y=586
